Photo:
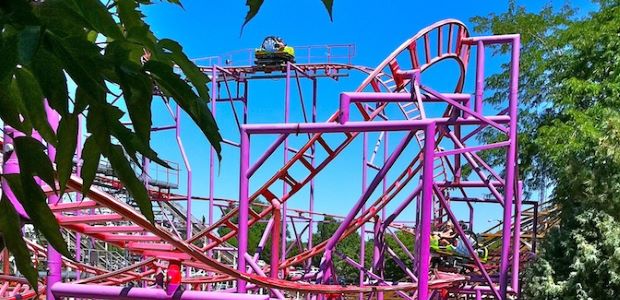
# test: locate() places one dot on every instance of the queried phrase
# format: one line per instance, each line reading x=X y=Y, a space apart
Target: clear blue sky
x=206 y=28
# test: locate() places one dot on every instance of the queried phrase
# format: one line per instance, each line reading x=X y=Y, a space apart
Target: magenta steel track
x=425 y=161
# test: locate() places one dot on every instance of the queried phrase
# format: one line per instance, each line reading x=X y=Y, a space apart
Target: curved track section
x=119 y=224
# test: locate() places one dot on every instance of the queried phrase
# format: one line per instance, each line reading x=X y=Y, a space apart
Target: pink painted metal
x=215 y=254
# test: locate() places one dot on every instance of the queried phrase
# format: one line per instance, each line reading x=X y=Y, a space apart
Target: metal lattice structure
x=436 y=140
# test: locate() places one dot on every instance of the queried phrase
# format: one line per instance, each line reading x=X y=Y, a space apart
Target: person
x=159 y=278
x=446 y=234
x=279 y=44
x=460 y=248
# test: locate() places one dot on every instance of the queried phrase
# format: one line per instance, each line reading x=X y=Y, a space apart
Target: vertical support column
x=378 y=253
x=245 y=101
x=287 y=100
x=479 y=77
x=426 y=211
x=79 y=197
x=244 y=206
x=275 y=238
x=516 y=246
x=363 y=227
x=379 y=258
x=188 y=226
x=311 y=198
x=471 y=215
x=510 y=168
x=535 y=228
x=54 y=260
x=212 y=160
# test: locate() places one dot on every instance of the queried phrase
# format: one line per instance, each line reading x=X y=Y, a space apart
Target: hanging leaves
x=329 y=4
x=67 y=143
x=90 y=156
x=10 y=227
x=255 y=5
x=43 y=44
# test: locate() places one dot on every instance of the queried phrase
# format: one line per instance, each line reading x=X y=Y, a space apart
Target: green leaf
x=13 y=107
x=133 y=143
x=83 y=99
x=198 y=79
x=8 y=52
x=51 y=77
x=33 y=161
x=195 y=107
x=18 y=12
x=138 y=94
x=32 y=198
x=329 y=4
x=67 y=142
x=27 y=43
x=10 y=226
x=137 y=31
x=98 y=17
x=33 y=99
x=82 y=60
x=177 y=2
x=135 y=187
x=91 y=154
x=60 y=19
x=253 y=7
x=97 y=125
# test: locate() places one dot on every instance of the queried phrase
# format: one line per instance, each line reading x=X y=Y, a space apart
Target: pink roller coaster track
x=425 y=169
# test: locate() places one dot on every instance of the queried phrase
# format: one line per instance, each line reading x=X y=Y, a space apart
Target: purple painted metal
x=468 y=245
x=11 y=166
x=263 y=240
x=426 y=212
x=80 y=197
x=188 y=167
x=312 y=163
x=511 y=160
x=367 y=193
x=68 y=290
x=362 y=257
x=516 y=246
x=244 y=207
x=260 y=272
x=275 y=239
x=287 y=103
x=292 y=128
x=434 y=130
x=479 y=77
x=212 y=158
x=54 y=259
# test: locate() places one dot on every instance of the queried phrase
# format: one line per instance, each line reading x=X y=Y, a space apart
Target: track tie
x=322 y=142
x=306 y=164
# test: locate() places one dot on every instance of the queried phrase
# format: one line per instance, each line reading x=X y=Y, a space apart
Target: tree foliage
x=570 y=125
x=350 y=246
x=392 y=272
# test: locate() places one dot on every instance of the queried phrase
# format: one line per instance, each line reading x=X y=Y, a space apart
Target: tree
x=392 y=272
x=350 y=246
x=570 y=125
x=255 y=233
x=108 y=52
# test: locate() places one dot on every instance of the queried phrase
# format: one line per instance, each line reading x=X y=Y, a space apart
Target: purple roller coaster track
x=434 y=135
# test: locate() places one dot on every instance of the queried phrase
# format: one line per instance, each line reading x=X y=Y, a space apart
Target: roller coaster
x=434 y=165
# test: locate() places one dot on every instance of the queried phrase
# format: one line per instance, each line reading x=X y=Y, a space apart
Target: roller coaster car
x=273 y=54
x=449 y=259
